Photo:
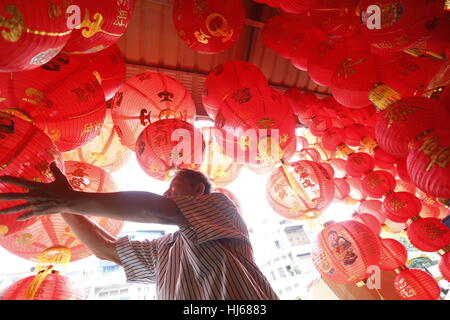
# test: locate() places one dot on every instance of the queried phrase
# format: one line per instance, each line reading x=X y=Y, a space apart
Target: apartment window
x=290 y=271
x=281 y=272
x=273 y=275
x=277 y=244
x=296 y=235
x=103 y=294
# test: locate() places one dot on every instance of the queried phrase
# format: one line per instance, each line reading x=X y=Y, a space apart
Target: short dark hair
x=195 y=177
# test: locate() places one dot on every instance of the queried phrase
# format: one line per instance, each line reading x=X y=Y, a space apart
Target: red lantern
x=297 y=6
x=378 y=183
x=300 y=190
x=341 y=189
x=158 y=149
x=393 y=255
x=401 y=206
x=62 y=97
x=102 y=24
x=211 y=26
x=444 y=266
x=26 y=152
x=301 y=41
x=227 y=78
x=52 y=231
x=430 y=211
x=358 y=164
x=146 y=98
x=319 y=125
x=109 y=68
x=273 y=34
x=428 y=234
x=402 y=170
x=416 y=284
x=369 y=220
x=355 y=133
x=309 y=154
x=338 y=166
x=372 y=207
x=406 y=120
x=303 y=104
x=428 y=163
x=356 y=189
x=401 y=185
x=343 y=252
x=32 y=33
x=53 y=287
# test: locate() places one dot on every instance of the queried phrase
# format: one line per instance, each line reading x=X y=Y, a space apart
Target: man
x=209 y=257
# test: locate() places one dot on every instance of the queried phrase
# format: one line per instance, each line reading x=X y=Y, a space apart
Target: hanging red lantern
x=302 y=41
x=158 y=149
x=393 y=255
x=402 y=186
x=384 y=160
x=429 y=211
x=53 y=287
x=372 y=207
x=297 y=6
x=62 y=97
x=52 y=231
x=401 y=206
x=338 y=165
x=343 y=252
x=26 y=152
x=146 y=98
x=109 y=68
x=428 y=234
x=227 y=78
x=356 y=189
x=358 y=164
x=341 y=189
x=444 y=266
x=402 y=170
x=105 y=151
x=378 y=183
x=369 y=220
x=210 y=26
x=428 y=163
x=273 y=33
x=32 y=33
x=354 y=133
x=319 y=124
x=102 y=24
x=303 y=104
x=416 y=284
x=406 y=120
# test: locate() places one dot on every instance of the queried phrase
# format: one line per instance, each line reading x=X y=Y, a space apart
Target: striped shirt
x=212 y=259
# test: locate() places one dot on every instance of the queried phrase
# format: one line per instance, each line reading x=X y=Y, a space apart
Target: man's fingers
x=20 y=182
x=19 y=208
x=15 y=196
x=26 y=216
x=59 y=175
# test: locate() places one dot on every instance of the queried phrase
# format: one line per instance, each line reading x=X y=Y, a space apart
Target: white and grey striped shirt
x=212 y=259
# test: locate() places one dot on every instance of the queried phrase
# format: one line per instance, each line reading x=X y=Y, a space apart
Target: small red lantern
x=227 y=78
x=358 y=164
x=146 y=98
x=372 y=207
x=209 y=26
x=158 y=149
x=53 y=287
x=401 y=206
x=26 y=152
x=393 y=254
x=444 y=266
x=102 y=24
x=343 y=252
x=428 y=234
x=341 y=189
x=428 y=163
x=429 y=211
x=416 y=284
x=63 y=98
x=33 y=32
x=378 y=183
x=369 y=220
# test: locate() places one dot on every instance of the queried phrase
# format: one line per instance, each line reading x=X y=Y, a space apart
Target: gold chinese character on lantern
x=6 y=127
x=37 y=98
x=399 y=112
x=438 y=155
x=345 y=69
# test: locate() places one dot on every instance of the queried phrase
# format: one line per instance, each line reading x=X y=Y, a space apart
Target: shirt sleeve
x=138 y=258
x=212 y=217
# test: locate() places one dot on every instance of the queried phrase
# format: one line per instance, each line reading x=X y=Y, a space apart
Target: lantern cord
x=379 y=294
x=36 y=283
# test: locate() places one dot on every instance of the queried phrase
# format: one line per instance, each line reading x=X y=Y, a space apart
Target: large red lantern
x=53 y=287
x=62 y=97
x=416 y=284
x=444 y=266
x=208 y=26
x=32 y=33
x=378 y=183
x=102 y=24
x=428 y=234
x=227 y=78
x=406 y=120
x=52 y=231
x=401 y=206
x=343 y=252
x=393 y=254
x=428 y=163
x=146 y=98
x=300 y=190
x=26 y=152
x=159 y=149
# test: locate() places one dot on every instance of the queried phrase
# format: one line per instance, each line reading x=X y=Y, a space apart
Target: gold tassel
x=382 y=96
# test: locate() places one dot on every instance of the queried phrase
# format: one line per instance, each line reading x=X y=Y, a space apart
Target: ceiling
x=151 y=43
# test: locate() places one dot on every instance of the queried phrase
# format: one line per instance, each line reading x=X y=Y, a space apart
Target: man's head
x=188 y=183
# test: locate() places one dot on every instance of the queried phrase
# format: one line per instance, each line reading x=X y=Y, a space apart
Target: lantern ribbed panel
x=296 y=6
x=377 y=183
x=358 y=164
x=444 y=266
x=429 y=234
x=370 y=221
x=341 y=189
x=393 y=254
x=416 y=284
x=401 y=206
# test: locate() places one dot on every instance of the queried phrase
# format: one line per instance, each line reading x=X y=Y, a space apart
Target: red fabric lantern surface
x=401 y=206
x=32 y=33
x=54 y=287
x=109 y=68
x=428 y=234
x=343 y=251
x=102 y=24
x=105 y=151
x=301 y=102
x=210 y=26
x=273 y=34
x=333 y=138
x=372 y=207
x=358 y=164
x=393 y=254
x=428 y=163
x=319 y=125
x=251 y=115
x=384 y=160
x=369 y=220
x=405 y=186
x=407 y=119
x=146 y=98
x=299 y=190
x=416 y=284
x=402 y=170
x=227 y=78
x=355 y=133
x=341 y=189
x=377 y=183
x=52 y=230
x=297 y=6
x=356 y=189
x=444 y=266
x=62 y=97
x=338 y=166
x=26 y=152
x=309 y=154
x=159 y=148
x=354 y=78
x=430 y=211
